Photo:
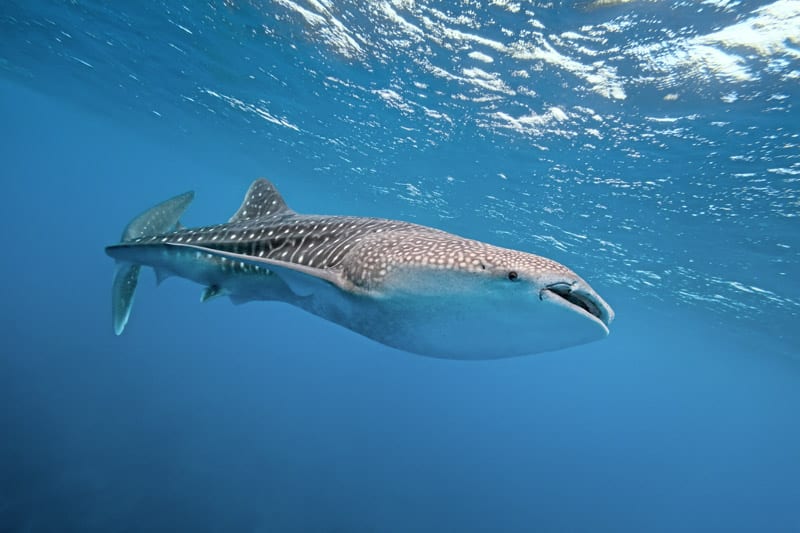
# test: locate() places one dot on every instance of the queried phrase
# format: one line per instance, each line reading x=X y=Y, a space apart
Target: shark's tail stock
x=159 y=219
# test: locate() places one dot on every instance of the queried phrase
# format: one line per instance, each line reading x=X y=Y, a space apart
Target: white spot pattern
x=365 y=250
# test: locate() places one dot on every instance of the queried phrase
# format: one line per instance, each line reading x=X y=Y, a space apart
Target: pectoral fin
x=211 y=292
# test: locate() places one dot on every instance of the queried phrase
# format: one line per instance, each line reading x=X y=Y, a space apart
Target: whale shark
x=412 y=287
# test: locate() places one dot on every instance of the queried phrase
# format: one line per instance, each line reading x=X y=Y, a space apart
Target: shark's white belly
x=457 y=327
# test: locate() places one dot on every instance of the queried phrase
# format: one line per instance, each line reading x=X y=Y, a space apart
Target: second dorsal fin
x=261 y=200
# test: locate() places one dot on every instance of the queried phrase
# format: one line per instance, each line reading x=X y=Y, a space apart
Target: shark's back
x=265 y=227
x=315 y=241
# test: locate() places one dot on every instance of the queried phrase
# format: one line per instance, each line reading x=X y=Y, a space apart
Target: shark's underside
x=408 y=286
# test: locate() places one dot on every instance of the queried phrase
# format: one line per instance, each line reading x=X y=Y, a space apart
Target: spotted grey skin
x=409 y=286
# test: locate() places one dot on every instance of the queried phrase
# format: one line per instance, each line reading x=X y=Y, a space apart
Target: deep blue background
x=260 y=418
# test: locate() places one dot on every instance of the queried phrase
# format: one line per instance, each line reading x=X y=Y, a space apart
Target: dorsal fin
x=261 y=200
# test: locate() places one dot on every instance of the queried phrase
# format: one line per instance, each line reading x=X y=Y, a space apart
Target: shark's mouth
x=583 y=300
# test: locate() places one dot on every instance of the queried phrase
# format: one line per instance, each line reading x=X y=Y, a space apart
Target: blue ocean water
x=653 y=147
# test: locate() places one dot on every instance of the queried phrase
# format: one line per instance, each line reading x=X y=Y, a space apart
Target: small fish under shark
x=412 y=287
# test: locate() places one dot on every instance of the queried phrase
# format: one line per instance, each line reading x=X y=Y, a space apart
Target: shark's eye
x=513 y=276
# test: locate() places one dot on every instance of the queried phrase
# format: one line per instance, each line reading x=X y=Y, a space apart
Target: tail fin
x=159 y=219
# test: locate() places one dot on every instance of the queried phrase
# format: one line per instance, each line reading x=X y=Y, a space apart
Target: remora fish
x=408 y=286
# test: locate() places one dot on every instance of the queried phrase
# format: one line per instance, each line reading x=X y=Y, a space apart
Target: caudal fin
x=125 y=280
x=159 y=219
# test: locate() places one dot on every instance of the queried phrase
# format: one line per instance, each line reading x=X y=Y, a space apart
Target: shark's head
x=462 y=298
x=530 y=281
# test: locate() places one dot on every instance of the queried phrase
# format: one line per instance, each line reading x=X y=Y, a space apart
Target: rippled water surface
x=653 y=143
